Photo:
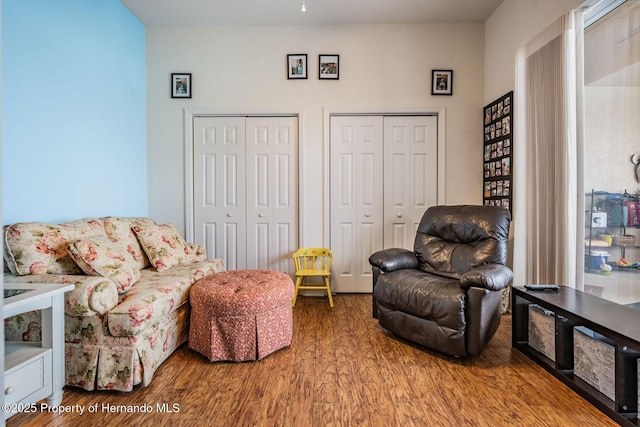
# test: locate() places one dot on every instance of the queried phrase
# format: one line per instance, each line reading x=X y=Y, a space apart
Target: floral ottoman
x=241 y=315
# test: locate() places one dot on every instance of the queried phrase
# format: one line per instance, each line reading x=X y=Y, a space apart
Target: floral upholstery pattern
x=198 y=253
x=92 y=294
x=241 y=315
x=99 y=256
x=112 y=341
x=120 y=363
x=164 y=245
x=38 y=248
x=23 y=327
x=155 y=295
x=120 y=230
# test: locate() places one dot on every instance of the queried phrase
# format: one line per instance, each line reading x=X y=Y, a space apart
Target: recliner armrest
x=393 y=259
x=493 y=277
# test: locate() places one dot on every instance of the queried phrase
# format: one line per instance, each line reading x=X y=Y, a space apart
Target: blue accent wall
x=73 y=111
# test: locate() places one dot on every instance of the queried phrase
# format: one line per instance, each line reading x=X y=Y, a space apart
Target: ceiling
x=163 y=13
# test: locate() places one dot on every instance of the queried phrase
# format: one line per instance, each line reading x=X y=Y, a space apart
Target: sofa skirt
x=120 y=363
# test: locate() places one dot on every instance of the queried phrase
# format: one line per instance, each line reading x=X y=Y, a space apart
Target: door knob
x=229 y=215
x=399 y=215
x=367 y=215
x=260 y=215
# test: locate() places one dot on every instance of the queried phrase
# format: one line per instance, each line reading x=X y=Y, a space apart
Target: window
x=612 y=141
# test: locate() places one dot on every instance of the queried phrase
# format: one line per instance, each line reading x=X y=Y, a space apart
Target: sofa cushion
x=164 y=245
x=39 y=248
x=156 y=294
x=197 y=252
x=99 y=256
x=120 y=230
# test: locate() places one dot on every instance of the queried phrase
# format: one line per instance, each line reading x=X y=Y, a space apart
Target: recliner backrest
x=452 y=240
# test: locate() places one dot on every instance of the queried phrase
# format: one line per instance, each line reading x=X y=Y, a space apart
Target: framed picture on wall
x=297 y=66
x=181 y=85
x=441 y=82
x=329 y=66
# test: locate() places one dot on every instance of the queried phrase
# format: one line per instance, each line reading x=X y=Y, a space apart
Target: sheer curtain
x=547 y=169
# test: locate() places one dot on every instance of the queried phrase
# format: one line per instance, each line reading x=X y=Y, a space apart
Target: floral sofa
x=129 y=310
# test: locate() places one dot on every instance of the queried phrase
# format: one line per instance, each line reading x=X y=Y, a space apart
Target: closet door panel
x=383 y=177
x=356 y=199
x=272 y=217
x=425 y=164
x=411 y=172
x=245 y=190
x=343 y=269
x=369 y=211
x=258 y=252
x=219 y=189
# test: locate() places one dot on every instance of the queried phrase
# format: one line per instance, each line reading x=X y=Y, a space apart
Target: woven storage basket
x=624 y=240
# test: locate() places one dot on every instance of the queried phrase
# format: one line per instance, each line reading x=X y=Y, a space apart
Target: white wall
x=612 y=131
x=508 y=29
x=242 y=70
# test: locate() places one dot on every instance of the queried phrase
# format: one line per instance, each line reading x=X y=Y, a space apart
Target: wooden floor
x=342 y=369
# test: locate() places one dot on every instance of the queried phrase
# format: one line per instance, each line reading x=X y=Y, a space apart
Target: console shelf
x=33 y=371
x=573 y=308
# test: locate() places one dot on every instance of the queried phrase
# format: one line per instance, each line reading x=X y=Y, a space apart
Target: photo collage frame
x=498 y=152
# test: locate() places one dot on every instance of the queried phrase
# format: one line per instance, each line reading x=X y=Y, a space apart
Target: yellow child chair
x=313 y=262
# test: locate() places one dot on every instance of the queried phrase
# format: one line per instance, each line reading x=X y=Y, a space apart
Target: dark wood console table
x=575 y=308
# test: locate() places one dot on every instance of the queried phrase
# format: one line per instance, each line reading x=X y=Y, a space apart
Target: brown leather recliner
x=446 y=294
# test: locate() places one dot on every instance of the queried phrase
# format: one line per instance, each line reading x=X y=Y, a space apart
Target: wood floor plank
x=342 y=369
x=381 y=410
x=299 y=410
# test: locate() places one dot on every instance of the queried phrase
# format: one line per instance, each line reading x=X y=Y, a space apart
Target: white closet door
x=410 y=176
x=272 y=188
x=245 y=190
x=383 y=177
x=219 y=188
x=356 y=199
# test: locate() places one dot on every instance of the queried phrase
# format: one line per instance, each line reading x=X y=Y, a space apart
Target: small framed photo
x=599 y=219
x=297 y=66
x=441 y=82
x=181 y=85
x=329 y=66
